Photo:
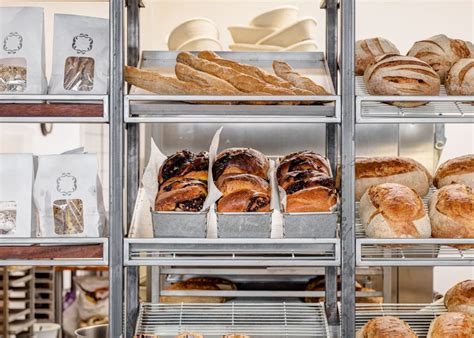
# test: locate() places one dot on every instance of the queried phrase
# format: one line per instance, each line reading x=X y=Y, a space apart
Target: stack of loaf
x=386 y=326
x=241 y=174
x=183 y=182
x=209 y=74
x=199 y=283
x=452 y=206
x=307 y=181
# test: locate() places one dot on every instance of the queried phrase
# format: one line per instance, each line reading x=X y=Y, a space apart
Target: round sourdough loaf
x=457 y=170
x=386 y=326
x=452 y=325
x=369 y=49
x=460 y=298
x=460 y=80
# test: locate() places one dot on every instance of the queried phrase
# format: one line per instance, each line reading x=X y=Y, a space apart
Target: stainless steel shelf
x=418 y=316
x=54 y=251
x=253 y=319
x=54 y=108
x=440 y=109
x=232 y=252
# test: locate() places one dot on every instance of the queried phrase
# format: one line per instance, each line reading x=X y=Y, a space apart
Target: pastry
x=457 y=170
x=230 y=183
x=452 y=213
x=192 y=285
x=441 y=52
x=185 y=194
x=460 y=80
x=369 y=49
x=184 y=164
x=401 y=75
x=244 y=201
x=292 y=178
x=386 y=327
x=316 y=198
x=452 y=325
x=284 y=71
x=393 y=210
x=460 y=298
x=302 y=161
x=391 y=169
x=240 y=161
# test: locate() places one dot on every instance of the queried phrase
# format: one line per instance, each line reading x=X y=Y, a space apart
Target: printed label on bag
x=7 y=217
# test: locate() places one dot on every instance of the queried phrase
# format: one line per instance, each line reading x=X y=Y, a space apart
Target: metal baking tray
x=244 y=224
x=173 y=224
x=310 y=224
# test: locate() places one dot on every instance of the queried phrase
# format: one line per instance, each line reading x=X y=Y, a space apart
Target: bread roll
x=181 y=195
x=393 y=210
x=302 y=161
x=234 y=182
x=244 y=201
x=401 y=75
x=241 y=161
x=391 y=169
x=386 y=327
x=460 y=298
x=441 y=52
x=369 y=49
x=457 y=170
x=452 y=213
x=184 y=164
x=190 y=285
x=452 y=325
x=460 y=80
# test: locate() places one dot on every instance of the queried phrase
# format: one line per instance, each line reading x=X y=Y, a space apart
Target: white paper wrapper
x=213 y=193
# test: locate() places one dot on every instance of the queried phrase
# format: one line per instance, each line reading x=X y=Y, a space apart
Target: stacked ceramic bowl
x=195 y=35
x=280 y=29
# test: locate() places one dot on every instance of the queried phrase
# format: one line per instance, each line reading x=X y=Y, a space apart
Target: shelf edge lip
x=210 y=241
x=17 y=241
x=421 y=241
x=415 y=98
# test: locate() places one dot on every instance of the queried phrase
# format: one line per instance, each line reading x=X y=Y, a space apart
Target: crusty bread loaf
x=222 y=284
x=155 y=82
x=369 y=49
x=312 y=199
x=460 y=80
x=401 y=75
x=235 y=336
x=391 y=169
x=457 y=170
x=386 y=327
x=452 y=213
x=284 y=70
x=190 y=335
x=393 y=210
x=441 y=52
x=187 y=286
x=452 y=325
x=460 y=298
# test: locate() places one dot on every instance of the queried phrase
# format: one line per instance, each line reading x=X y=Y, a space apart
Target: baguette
x=188 y=74
x=284 y=70
x=242 y=82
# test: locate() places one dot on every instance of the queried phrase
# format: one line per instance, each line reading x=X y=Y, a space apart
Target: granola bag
x=22 y=61
x=67 y=196
x=16 y=189
x=80 y=55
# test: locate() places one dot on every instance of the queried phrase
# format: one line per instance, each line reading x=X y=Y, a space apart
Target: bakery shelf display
x=316 y=103
x=244 y=319
x=54 y=108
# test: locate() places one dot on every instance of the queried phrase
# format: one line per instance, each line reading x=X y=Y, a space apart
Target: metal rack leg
x=58 y=297
x=132 y=299
x=155 y=284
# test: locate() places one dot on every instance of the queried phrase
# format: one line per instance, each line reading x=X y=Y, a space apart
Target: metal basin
x=96 y=331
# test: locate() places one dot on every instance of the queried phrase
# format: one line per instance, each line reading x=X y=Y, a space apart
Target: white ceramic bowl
x=277 y=18
x=46 y=330
x=251 y=35
x=191 y=29
x=302 y=46
x=303 y=29
x=245 y=47
x=200 y=43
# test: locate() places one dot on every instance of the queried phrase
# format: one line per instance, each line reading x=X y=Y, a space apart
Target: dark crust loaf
x=302 y=180
x=240 y=161
x=184 y=164
x=244 y=201
x=387 y=327
x=456 y=166
x=230 y=183
x=181 y=195
x=387 y=166
x=302 y=161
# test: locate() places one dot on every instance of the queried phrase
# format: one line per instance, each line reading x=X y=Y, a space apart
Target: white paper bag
x=16 y=188
x=22 y=66
x=80 y=55
x=67 y=197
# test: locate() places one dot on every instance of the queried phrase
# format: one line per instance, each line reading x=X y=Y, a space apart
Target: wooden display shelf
x=88 y=251
x=84 y=110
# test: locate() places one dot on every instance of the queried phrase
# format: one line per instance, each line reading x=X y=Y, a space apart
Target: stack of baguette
x=209 y=74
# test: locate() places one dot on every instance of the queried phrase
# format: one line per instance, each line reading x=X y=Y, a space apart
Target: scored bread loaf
x=284 y=70
x=234 y=182
x=240 y=161
x=460 y=80
x=457 y=170
x=452 y=325
x=184 y=164
x=386 y=327
x=391 y=169
x=244 y=201
x=181 y=195
x=452 y=213
x=441 y=52
x=460 y=298
x=393 y=210
x=368 y=50
x=401 y=75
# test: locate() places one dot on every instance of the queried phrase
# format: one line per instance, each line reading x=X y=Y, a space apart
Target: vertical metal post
x=58 y=297
x=348 y=175
x=132 y=292
x=116 y=170
x=331 y=148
